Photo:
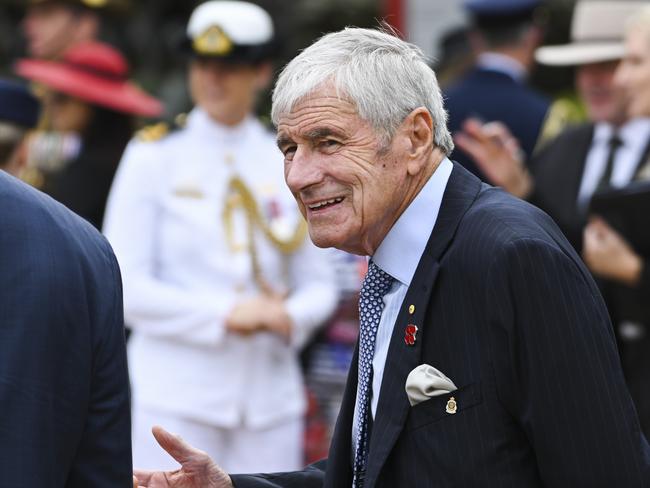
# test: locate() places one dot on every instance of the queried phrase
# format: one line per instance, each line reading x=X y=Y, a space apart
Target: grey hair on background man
x=385 y=77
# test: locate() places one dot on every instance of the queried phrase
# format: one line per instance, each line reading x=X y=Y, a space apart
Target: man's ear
x=419 y=130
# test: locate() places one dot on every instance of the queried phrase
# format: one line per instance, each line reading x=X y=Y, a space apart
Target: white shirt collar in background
x=502 y=64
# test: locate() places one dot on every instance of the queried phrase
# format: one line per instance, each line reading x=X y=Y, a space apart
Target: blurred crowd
x=228 y=303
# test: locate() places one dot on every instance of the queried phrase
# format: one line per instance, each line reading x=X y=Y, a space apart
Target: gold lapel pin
x=411 y=309
x=452 y=406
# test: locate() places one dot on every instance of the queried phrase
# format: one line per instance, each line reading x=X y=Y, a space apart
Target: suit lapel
x=392 y=411
x=642 y=171
x=576 y=155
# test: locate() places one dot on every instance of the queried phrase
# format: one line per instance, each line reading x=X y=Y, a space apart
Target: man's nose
x=303 y=170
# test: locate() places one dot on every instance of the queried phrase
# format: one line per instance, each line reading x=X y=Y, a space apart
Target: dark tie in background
x=615 y=142
x=371 y=304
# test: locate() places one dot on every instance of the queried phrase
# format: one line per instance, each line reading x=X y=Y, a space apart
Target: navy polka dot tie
x=371 y=304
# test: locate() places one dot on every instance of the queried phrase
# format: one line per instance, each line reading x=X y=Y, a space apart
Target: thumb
x=173 y=444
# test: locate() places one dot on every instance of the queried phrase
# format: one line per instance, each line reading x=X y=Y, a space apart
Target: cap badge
x=213 y=42
x=95 y=3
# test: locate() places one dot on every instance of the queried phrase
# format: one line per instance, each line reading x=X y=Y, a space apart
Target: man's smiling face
x=348 y=186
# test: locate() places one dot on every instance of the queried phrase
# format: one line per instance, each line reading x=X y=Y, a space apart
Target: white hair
x=385 y=77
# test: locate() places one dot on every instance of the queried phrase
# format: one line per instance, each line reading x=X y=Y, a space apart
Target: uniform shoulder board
x=564 y=112
x=155 y=132
x=152 y=133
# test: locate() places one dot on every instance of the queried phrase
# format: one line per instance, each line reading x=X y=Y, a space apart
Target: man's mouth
x=323 y=204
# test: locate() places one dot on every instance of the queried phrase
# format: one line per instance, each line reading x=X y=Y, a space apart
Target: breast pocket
x=449 y=405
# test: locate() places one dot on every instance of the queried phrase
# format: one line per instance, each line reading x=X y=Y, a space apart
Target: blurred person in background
x=222 y=286
x=504 y=36
x=51 y=27
x=19 y=111
x=625 y=270
x=609 y=151
x=92 y=106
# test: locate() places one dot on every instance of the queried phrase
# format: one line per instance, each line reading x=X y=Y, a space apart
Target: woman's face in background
x=66 y=113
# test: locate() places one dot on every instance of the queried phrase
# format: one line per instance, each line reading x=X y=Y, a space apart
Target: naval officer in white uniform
x=221 y=283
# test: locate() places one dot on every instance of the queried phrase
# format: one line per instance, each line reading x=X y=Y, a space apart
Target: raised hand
x=197 y=469
x=497 y=153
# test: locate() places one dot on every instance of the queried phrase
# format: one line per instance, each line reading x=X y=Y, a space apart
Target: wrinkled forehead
x=323 y=107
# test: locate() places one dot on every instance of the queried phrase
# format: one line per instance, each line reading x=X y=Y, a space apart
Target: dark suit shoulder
x=569 y=138
x=498 y=217
x=30 y=213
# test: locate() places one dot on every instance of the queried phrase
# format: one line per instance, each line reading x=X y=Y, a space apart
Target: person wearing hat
x=608 y=151
x=92 y=109
x=51 y=27
x=19 y=111
x=504 y=36
x=222 y=286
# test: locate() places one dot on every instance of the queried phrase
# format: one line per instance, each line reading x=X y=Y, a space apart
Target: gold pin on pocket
x=452 y=406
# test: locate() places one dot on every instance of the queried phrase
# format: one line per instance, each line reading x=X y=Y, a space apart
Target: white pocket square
x=425 y=382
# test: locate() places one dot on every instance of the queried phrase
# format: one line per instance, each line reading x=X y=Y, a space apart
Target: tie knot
x=376 y=283
x=615 y=141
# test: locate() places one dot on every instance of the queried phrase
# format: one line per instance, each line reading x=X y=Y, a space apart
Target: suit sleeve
x=560 y=375
x=310 y=477
x=151 y=305
x=104 y=454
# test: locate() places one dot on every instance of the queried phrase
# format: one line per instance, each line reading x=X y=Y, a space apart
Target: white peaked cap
x=246 y=24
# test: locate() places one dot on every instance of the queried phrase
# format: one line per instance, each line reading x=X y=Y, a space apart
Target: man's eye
x=328 y=143
x=289 y=151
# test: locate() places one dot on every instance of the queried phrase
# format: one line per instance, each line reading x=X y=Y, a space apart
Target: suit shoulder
x=42 y=222
x=498 y=217
x=160 y=130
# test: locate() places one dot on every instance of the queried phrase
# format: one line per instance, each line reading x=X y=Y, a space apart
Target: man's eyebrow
x=323 y=132
x=313 y=135
x=283 y=140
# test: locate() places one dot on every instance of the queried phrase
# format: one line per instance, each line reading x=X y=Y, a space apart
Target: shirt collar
x=199 y=119
x=400 y=251
x=502 y=64
x=635 y=130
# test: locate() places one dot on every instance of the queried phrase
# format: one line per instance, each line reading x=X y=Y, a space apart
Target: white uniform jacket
x=164 y=219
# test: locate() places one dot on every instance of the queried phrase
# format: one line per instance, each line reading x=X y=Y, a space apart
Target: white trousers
x=239 y=450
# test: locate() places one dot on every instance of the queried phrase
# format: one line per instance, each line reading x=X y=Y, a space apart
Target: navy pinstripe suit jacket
x=507 y=310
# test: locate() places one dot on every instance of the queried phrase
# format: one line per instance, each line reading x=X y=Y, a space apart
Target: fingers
x=173 y=444
x=141 y=478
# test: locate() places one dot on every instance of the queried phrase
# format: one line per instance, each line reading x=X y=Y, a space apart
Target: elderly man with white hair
x=485 y=357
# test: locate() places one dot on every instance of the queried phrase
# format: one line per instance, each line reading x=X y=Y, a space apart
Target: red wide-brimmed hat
x=96 y=73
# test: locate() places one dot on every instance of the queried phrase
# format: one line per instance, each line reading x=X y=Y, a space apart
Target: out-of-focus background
x=149 y=32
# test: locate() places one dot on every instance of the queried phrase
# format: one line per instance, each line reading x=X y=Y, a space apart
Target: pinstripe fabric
x=508 y=312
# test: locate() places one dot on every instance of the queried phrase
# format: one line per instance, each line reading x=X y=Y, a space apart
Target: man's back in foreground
x=64 y=400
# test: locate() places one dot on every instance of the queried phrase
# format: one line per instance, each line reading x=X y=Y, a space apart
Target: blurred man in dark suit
x=504 y=37
x=64 y=389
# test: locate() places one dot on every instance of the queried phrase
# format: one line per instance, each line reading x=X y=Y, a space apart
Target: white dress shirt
x=399 y=255
x=164 y=219
x=634 y=136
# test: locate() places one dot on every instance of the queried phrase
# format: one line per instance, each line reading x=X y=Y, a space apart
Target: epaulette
x=152 y=133
x=564 y=111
